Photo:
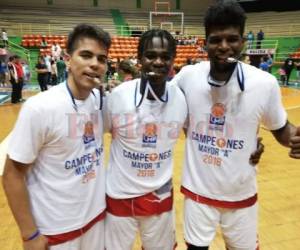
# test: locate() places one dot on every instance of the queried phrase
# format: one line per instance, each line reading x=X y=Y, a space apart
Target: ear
x=67 y=58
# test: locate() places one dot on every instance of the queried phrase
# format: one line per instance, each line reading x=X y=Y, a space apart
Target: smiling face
x=158 y=59
x=223 y=43
x=87 y=62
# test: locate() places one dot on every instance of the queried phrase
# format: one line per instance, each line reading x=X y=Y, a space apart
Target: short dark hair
x=126 y=66
x=229 y=14
x=90 y=31
x=147 y=37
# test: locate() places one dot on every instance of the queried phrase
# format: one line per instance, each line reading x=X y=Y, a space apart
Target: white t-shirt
x=56 y=50
x=4 y=36
x=223 y=127
x=141 y=153
x=66 y=182
x=48 y=63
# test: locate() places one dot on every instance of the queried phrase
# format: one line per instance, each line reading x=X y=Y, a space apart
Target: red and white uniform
x=222 y=133
x=66 y=183
x=139 y=173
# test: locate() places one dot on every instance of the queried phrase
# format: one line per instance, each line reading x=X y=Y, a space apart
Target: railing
x=19 y=50
x=46 y=29
x=50 y=29
x=270 y=47
x=19 y=29
x=284 y=29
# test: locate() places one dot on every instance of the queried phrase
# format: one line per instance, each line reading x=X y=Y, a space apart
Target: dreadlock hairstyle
x=146 y=40
x=225 y=15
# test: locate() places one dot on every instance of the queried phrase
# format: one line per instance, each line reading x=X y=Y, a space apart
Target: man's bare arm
x=18 y=199
x=289 y=136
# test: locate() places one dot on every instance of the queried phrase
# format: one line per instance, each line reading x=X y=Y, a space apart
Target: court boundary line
x=293 y=107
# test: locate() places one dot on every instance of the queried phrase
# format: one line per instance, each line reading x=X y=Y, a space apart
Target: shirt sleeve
x=27 y=136
x=176 y=79
x=275 y=116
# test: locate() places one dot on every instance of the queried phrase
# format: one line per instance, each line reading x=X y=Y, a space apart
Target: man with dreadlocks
x=145 y=117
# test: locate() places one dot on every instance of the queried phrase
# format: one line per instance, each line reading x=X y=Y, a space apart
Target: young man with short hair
x=226 y=100
x=54 y=176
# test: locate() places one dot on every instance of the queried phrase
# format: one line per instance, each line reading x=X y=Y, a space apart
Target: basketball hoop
x=168 y=24
x=161 y=3
x=167 y=20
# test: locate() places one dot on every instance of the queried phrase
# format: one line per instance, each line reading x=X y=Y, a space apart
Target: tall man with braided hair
x=227 y=100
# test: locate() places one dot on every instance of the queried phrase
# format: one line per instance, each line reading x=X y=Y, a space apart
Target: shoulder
x=125 y=86
x=191 y=70
x=47 y=100
x=175 y=91
x=188 y=74
x=198 y=67
x=177 y=101
x=122 y=94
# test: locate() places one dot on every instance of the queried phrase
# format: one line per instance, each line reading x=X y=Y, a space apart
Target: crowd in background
x=16 y=72
x=51 y=68
x=50 y=71
x=250 y=39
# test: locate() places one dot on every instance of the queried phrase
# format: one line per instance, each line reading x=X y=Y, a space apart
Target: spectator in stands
x=13 y=78
x=4 y=38
x=297 y=64
x=247 y=59
x=270 y=63
x=44 y=42
x=26 y=71
x=282 y=75
x=3 y=70
x=61 y=68
x=20 y=74
x=53 y=72
x=47 y=59
x=181 y=40
x=42 y=73
x=264 y=64
x=56 y=51
x=133 y=60
x=126 y=71
x=250 y=39
x=259 y=37
x=194 y=40
x=111 y=69
x=288 y=67
x=201 y=49
x=188 y=61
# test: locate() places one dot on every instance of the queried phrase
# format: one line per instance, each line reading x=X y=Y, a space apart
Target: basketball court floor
x=278 y=181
